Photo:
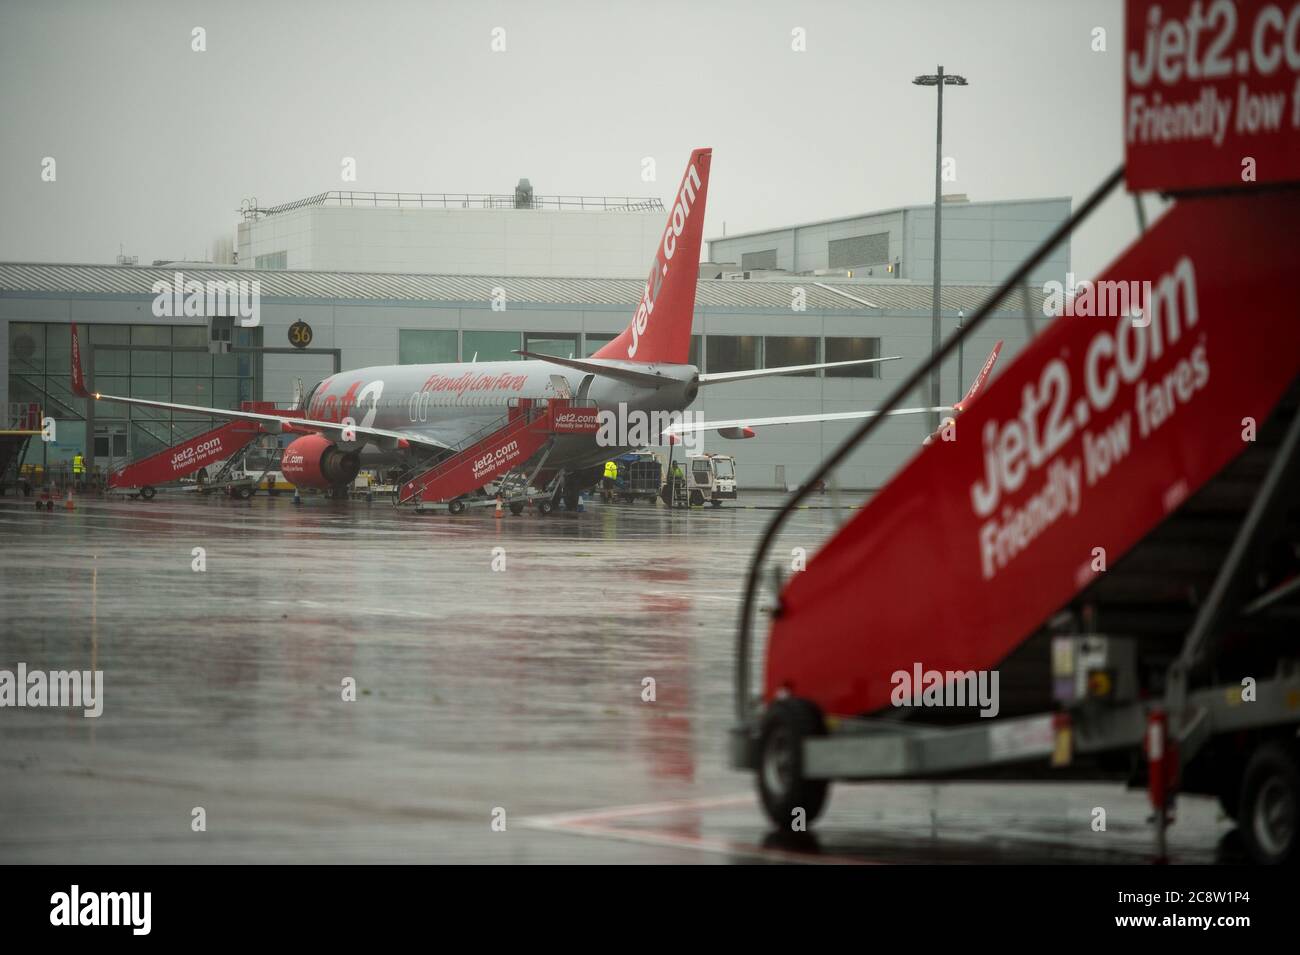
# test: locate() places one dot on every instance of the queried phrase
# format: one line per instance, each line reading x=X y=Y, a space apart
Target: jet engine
x=315 y=461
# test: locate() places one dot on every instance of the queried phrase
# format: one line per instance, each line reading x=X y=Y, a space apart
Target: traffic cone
x=69 y=503
x=500 y=513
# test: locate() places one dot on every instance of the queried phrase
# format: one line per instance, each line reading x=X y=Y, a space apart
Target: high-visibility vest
x=611 y=470
x=78 y=464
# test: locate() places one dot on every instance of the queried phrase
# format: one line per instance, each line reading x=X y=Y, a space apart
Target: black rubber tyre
x=147 y=493
x=544 y=507
x=516 y=508
x=49 y=505
x=781 y=783
x=697 y=498
x=244 y=493
x=456 y=507
x=1269 y=818
x=715 y=503
x=571 y=499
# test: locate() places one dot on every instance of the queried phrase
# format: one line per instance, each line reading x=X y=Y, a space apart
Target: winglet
x=78 y=379
x=978 y=384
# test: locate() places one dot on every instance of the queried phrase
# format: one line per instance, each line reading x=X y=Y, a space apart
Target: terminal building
x=982 y=242
x=455 y=234
x=510 y=293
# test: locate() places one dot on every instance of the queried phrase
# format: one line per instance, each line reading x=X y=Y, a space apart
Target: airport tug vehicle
x=1115 y=526
x=711 y=478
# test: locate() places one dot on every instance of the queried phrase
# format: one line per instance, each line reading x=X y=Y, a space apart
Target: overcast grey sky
x=156 y=144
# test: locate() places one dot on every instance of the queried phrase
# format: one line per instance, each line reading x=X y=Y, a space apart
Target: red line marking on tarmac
x=592 y=823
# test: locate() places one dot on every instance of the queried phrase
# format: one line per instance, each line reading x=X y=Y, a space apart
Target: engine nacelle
x=736 y=434
x=315 y=461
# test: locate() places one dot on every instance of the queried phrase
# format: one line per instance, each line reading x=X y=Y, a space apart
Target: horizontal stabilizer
x=737 y=426
x=725 y=376
x=617 y=372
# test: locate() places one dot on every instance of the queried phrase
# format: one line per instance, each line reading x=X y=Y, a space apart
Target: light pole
x=938 y=80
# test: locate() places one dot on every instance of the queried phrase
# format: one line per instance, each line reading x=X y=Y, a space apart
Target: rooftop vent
x=524 y=195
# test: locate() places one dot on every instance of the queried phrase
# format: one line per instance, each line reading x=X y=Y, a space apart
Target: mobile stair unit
x=1114 y=532
x=508 y=454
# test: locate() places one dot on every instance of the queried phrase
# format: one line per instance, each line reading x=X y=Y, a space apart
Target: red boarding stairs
x=180 y=460
x=502 y=446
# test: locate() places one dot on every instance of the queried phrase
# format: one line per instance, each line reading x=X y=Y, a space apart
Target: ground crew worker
x=611 y=479
x=78 y=469
x=678 y=479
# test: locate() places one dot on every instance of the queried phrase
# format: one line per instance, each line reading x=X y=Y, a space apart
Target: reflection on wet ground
x=481 y=693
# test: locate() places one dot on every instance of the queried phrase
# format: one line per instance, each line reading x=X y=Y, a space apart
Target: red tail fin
x=978 y=384
x=661 y=328
x=78 y=379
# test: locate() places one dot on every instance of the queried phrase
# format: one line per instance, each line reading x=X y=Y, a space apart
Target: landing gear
x=784 y=790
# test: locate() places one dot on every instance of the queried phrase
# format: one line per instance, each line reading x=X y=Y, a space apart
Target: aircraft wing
x=378 y=436
x=740 y=425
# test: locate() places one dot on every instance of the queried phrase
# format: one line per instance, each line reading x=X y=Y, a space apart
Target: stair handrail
x=869 y=425
x=503 y=425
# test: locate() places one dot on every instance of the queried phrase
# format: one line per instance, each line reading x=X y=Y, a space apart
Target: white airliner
x=424 y=413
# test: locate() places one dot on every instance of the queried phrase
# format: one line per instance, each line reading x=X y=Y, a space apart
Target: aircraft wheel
x=147 y=493
x=1269 y=816
x=781 y=783
x=516 y=508
x=456 y=507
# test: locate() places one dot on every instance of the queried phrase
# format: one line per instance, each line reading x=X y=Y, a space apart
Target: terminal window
x=490 y=346
x=557 y=344
x=852 y=349
x=858 y=250
x=758 y=260
x=39 y=371
x=426 y=346
x=594 y=343
x=733 y=353
x=780 y=351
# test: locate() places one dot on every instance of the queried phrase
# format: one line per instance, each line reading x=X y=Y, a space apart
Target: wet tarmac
x=498 y=713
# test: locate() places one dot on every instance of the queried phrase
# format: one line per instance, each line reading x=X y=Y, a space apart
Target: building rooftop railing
x=457 y=200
